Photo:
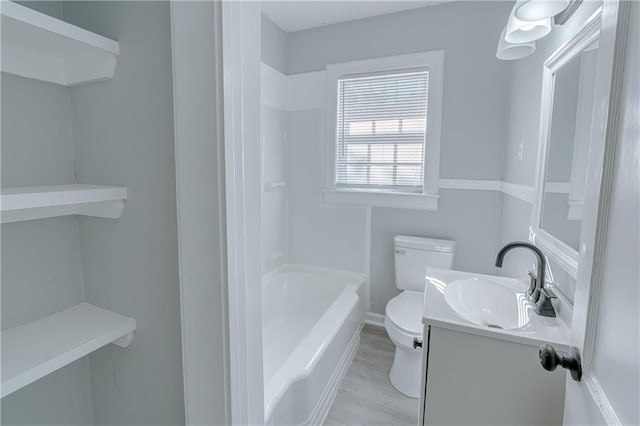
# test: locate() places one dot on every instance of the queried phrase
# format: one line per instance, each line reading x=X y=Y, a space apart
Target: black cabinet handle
x=550 y=359
x=417 y=343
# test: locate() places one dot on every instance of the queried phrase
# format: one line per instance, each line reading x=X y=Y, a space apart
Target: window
x=384 y=127
x=381 y=127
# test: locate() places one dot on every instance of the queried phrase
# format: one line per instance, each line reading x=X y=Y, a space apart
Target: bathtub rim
x=355 y=284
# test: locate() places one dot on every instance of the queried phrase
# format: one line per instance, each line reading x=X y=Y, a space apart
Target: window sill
x=398 y=200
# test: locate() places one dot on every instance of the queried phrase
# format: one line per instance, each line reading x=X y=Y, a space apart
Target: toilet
x=403 y=314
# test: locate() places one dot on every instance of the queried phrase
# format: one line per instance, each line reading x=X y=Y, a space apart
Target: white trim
x=199 y=163
x=602 y=402
x=367 y=259
x=241 y=58
x=521 y=192
x=321 y=410
x=373 y=318
x=610 y=23
x=397 y=200
x=38 y=46
x=433 y=61
x=559 y=251
x=471 y=184
x=565 y=256
x=425 y=201
x=600 y=179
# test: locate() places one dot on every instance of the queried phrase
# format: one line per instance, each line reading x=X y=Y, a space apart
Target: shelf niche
x=36 y=349
x=38 y=202
x=38 y=46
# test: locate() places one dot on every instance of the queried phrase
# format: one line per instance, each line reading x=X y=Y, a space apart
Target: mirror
x=568 y=150
x=568 y=93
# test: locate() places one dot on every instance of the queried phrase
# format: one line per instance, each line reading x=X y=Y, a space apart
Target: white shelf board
x=38 y=202
x=35 y=45
x=33 y=350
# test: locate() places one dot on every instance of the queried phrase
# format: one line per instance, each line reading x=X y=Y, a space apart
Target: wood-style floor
x=366 y=396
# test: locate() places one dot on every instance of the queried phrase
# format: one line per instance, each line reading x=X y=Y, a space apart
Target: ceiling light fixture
x=511 y=51
x=535 y=10
x=518 y=31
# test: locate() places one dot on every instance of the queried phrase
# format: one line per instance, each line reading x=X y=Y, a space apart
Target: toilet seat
x=403 y=317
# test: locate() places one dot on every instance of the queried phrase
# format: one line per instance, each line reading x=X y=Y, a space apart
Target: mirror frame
x=564 y=255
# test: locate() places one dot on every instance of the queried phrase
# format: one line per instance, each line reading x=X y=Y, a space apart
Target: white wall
x=200 y=180
x=320 y=234
x=274 y=211
x=275 y=226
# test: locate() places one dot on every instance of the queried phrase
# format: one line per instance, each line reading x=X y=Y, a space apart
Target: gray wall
x=273 y=45
x=124 y=136
x=41 y=260
x=117 y=132
x=471 y=218
x=523 y=122
x=475 y=90
x=48 y=7
x=472 y=145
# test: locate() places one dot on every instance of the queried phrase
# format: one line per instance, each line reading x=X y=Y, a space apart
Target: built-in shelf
x=38 y=202
x=33 y=350
x=35 y=45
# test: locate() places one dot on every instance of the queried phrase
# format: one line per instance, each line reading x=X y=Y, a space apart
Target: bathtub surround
x=506 y=163
x=275 y=188
x=340 y=236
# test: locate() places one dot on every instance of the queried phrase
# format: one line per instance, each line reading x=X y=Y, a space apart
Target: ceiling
x=301 y=14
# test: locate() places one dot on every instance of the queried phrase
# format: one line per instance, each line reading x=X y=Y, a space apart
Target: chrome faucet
x=539 y=296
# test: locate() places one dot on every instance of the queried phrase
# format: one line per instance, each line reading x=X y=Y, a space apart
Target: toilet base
x=406 y=371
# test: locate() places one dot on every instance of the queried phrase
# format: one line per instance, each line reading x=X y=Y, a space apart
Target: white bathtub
x=311 y=318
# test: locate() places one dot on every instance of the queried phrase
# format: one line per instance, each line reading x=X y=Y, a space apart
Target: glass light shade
x=535 y=10
x=510 y=51
x=518 y=32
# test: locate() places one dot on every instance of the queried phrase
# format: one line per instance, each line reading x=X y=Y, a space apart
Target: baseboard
x=323 y=406
x=374 y=319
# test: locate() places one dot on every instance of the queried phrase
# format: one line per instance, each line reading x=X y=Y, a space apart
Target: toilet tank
x=412 y=256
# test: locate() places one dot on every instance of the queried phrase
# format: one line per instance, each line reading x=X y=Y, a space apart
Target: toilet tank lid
x=427 y=244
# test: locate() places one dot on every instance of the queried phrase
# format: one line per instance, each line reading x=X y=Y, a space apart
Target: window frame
x=433 y=61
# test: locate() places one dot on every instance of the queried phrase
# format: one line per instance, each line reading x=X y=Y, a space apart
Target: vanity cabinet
x=477 y=379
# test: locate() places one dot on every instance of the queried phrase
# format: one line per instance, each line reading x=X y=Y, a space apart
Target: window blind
x=381 y=129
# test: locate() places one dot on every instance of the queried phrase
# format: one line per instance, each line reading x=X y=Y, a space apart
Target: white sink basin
x=488 y=303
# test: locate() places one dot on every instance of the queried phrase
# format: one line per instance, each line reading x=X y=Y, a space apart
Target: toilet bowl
x=403 y=323
x=403 y=313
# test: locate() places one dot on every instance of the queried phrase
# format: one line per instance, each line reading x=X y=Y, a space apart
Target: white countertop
x=437 y=312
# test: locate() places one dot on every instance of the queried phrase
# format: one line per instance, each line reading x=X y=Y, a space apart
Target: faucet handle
x=543 y=303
